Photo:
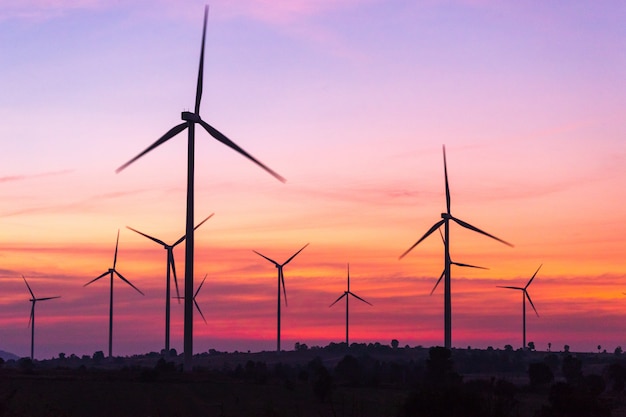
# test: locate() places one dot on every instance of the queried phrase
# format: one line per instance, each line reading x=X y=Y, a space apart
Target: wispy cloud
x=38 y=10
x=14 y=178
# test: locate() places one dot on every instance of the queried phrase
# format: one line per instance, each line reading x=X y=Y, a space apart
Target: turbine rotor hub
x=190 y=117
x=446 y=216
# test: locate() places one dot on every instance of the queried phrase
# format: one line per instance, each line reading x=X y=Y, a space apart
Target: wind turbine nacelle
x=446 y=216
x=190 y=117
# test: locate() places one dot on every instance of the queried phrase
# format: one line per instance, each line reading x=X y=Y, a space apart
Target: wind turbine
x=445 y=221
x=525 y=295
x=31 y=321
x=281 y=279
x=194 y=299
x=190 y=120
x=452 y=263
x=111 y=272
x=170 y=266
x=347 y=294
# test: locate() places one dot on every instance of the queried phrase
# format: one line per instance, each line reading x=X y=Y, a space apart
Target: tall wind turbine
x=281 y=281
x=525 y=295
x=445 y=221
x=190 y=120
x=112 y=271
x=452 y=263
x=31 y=321
x=347 y=294
x=170 y=266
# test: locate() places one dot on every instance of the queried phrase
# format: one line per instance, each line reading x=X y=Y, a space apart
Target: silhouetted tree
x=566 y=348
x=322 y=381
x=572 y=369
x=349 y=370
x=618 y=351
x=439 y=366
x=616 y=374
x=395 y=344
x=539 y=373
x=531 y=346
x=98 y=357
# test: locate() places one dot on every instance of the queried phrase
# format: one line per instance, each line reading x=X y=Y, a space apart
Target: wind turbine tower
x=281 y=281
x=347 y=294
x=445 y=221
x=525 y=296
x=112 y=271
x=170 y=267
x=31 y=321
x=190 y=121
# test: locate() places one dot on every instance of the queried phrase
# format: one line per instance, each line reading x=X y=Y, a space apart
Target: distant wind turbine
x=194 y=299
x=452 y=263
x=190 y=120
x=281 y=281
x=31 y=320
x=525 y=295
x=111 y=272
x=347 y=294
x=445 y=221
x=170 y=266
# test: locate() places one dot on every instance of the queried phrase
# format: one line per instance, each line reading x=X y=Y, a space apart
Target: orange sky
x=351 y=101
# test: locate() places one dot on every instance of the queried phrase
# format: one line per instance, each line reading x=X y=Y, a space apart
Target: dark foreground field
x=365 y=381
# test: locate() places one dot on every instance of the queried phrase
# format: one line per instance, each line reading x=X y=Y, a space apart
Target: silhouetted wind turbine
x=194 y=299
x=347 y=294
x=31 y=320
x=281 y=279
x=190 y=120
x=525 y=295
x=452 y=263
x=170 y=266
x=445 y=221
x=111 y=272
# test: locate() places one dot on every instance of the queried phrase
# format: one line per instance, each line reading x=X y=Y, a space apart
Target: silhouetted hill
x=7 y=356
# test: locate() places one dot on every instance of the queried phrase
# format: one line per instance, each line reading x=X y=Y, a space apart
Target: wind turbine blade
x=438 y=281
x=154 y=239
x=128 y=282
x=28 y=286
x=116 y=245
x=200 y=286
x=337 y=300
x=445 y=171
x=531 y=302
x=510 y=288
x=199 y=311
x=533 y=277
x=441 y=234
x=294 y=255
x=467 y=265
x=348 y=277
x=354 y=295
x=476 y=229
x=201 y=66
x=432 y=229
x=271 y=260
x=282 y=279
x=198 y=225
x=32 y=313
x=173 y=265
x=97 y=278
x=48 y=298
x=222 y=138
x=170 y=134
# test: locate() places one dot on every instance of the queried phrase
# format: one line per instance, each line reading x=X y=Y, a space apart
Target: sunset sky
x=349 y=100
